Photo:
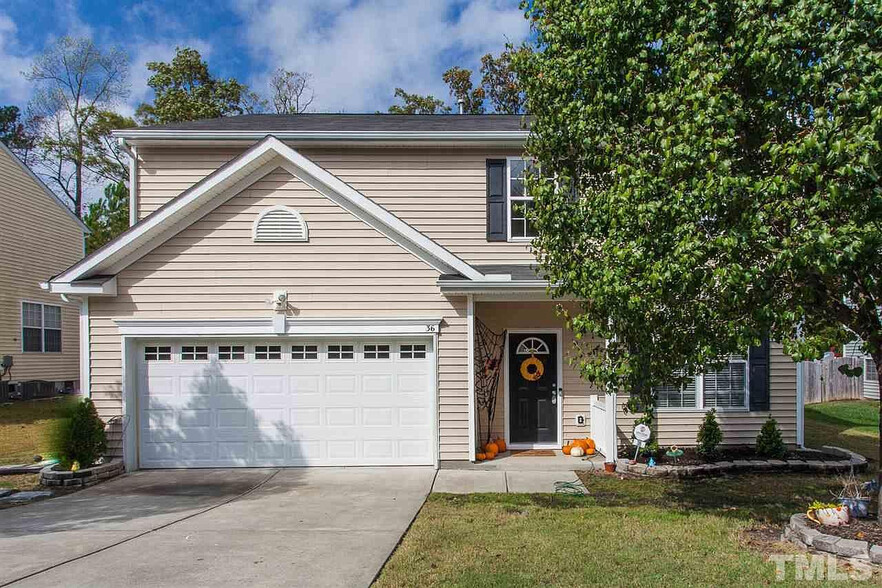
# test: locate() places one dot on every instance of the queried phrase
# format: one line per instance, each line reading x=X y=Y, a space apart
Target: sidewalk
x=471 y=481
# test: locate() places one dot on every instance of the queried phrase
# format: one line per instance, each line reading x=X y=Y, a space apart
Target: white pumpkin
x=577 y=451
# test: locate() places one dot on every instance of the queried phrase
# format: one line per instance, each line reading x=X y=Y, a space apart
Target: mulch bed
x=867 y=530
x=730 y=453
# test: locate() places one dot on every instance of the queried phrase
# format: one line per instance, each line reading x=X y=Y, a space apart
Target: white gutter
x=144 y=133
x=132 y=152
x=87 y=288
x=482 y=285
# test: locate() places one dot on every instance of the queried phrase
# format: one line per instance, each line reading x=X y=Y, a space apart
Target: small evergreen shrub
x=709 y=435
x=78 y=436
x=769 y=442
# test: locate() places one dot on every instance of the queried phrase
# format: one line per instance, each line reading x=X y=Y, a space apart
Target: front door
x=532 y=388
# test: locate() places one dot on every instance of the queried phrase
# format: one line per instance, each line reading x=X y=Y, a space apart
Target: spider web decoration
x=488 y=361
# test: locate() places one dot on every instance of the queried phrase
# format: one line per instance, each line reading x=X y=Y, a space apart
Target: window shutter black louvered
x=758 y=360
x=496 y=207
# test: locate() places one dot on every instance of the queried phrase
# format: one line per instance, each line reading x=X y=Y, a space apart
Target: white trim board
x=234 y=177
x=560 y=391
x=263 y=327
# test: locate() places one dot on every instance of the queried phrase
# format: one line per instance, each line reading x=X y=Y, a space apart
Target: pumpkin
x=489 y=456
x=491 y=448
x=566 y=449
x=481 y=456
x=581 y=444
x=577 y=451
x=500 y=443
x=590 y=442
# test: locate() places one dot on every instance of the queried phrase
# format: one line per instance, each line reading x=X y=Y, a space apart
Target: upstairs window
x=40 y=328
x=519 y=202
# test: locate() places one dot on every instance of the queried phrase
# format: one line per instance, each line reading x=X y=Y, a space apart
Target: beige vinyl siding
x=441 y=193
x=499 y=316
x=38 y=239
x=213 y=269
x=740 y=427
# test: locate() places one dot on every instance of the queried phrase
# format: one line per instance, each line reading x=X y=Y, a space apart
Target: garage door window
x=304 y=352
x=230 y=352
x=267 y=352
x=376 y=352
x=341 y=352
x=157 y=354
x=412 y=352
x=194 y=353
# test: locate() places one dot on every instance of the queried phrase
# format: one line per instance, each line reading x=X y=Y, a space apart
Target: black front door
x=532 y=388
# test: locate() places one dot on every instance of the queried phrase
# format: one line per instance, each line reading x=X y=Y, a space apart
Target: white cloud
x=358 y=52
x=14 y=88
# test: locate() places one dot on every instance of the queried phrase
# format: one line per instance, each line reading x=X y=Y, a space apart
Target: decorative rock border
x=52 y=476
x=802 y=533
x=850 y=461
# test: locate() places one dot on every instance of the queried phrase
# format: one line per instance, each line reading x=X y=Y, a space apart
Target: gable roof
x=342 y=127
x=230 y=179
x=43 y=187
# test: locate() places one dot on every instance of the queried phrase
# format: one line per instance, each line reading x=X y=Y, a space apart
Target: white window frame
x=377 y=354
x=171 y=353
x=304 y=346
x=412 y=351
x=870 y=368
x=699 y=393
x=196 y=352
x=42 y=326
x=269 y=351
x=231 y=347
x=509 y=199
x=341 y=351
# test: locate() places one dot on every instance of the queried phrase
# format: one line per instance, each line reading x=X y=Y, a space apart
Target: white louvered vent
x=280 y=224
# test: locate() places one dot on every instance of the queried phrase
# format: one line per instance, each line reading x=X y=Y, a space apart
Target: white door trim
x=559 y=334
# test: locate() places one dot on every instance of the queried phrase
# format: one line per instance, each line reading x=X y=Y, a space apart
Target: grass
x=632 y=531
x=24 y=428
x=852 y=424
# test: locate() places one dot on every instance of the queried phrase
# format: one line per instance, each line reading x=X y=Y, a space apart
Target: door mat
x=533 y=453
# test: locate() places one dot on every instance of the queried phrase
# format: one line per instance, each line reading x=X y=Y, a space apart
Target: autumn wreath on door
x=532 y=367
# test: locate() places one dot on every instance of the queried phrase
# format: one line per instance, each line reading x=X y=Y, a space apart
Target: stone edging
x=49 y=476
x=802 y=533
x=850 y=461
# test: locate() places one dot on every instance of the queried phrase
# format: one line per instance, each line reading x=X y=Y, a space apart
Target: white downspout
x=800 y=404
x=85 y=348
x=132 y=152
x=470 y=322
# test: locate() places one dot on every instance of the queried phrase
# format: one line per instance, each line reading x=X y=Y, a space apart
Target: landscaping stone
x=826 y=543
x=50 y=476
x=27 y=496
x=741 y=464
x=777 y=463
x=876 y=554
x=725 y=466
x=797 y=464
x=853 y=548
x=760 y=464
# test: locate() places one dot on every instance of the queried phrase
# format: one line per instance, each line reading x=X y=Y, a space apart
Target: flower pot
x=858 y=508
x=609 y=466
x=830 y=517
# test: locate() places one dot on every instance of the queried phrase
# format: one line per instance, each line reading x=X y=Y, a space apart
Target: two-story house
x=39 y=331
x=305 y=290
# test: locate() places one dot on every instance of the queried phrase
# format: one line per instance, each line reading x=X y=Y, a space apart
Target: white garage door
x=285 y=402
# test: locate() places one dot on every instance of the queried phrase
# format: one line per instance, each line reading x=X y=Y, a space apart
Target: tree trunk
x=78 y=190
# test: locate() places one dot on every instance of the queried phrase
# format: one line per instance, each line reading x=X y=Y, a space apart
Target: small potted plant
x=827 y=513
x=853 y=497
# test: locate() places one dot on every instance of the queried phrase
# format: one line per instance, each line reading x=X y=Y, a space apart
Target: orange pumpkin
x=481 y=456
x=500 y=443
x=489 y=456
x=491 y=448
x=580 y=443
x=590 y=448
x=566 y=449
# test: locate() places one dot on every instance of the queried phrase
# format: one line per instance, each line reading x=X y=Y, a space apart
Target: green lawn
x=24 y=428
x=853 y=424
x=626 y=532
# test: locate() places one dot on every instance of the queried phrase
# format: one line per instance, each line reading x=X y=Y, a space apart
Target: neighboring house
x=870 y=376
x=303 y=290
x=39 y=237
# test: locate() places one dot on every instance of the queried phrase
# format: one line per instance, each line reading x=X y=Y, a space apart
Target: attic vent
x=279 y=224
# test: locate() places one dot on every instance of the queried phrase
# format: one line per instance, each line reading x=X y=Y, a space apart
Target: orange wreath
x=532 y=369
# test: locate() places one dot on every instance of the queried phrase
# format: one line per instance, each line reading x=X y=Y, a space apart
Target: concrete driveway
x=257 y=527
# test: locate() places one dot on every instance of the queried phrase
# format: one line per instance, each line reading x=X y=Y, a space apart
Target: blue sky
x=357 y=50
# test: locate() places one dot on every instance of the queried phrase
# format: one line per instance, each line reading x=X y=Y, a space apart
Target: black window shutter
x=758 y=361
x=497 y=218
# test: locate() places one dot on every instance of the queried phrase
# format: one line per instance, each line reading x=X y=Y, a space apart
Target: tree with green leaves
x=417 y=104
x=186 y=90
x=709 y=176
x=15 y=133
x=500 y=81
x=75 y=82
x=459 y=80
x=107 y=217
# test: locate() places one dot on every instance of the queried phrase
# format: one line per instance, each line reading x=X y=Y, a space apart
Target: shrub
x=769 y=442
x=709 y=435
x=78 y=436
